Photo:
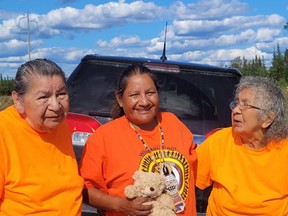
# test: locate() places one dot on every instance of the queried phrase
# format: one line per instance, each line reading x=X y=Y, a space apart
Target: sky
x=205 y=31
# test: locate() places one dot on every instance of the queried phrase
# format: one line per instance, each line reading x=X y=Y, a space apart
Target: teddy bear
x=151 y=185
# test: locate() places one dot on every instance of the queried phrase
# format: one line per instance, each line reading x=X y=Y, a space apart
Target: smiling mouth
x=144 y=110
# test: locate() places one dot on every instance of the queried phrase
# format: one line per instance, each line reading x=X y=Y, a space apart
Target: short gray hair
x=42 y=67
x=270 y=98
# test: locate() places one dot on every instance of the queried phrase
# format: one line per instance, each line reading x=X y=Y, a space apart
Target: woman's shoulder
x=168 y=115
x=218 y=140
x=8 y=115
x=221 y=132
x=113 y=125
x=170 y=120
x=110 y=130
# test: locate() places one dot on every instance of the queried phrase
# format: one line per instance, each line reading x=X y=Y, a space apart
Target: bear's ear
x=137 y=175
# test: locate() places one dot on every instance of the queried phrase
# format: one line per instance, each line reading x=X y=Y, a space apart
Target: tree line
x=257 y=67
x=6 y=85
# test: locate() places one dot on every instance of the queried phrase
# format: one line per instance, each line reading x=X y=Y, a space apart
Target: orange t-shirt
x=38 y=171
x=114 y=152
x=246 y=181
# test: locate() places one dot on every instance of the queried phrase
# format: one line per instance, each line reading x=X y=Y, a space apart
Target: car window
x=200 y=99
x=92 y=90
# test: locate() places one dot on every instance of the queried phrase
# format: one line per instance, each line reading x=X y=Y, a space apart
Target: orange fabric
x=38 y=172
x=114 y=152
x=246 y=181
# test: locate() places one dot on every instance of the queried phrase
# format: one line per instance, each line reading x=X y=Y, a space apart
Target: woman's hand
x=104 y=201
x=135 y=207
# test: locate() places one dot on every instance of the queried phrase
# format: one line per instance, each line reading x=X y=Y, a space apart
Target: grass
x=5 y=101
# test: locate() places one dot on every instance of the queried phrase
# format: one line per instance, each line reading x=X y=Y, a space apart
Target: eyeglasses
x=242 y=105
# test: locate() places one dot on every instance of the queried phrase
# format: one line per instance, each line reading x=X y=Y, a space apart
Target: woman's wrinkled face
x=140 y=100
x=246 y=122
x=46 y=103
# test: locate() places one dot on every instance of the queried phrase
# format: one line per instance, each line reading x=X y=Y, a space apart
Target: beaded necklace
x=171 y=182
x=146 y=145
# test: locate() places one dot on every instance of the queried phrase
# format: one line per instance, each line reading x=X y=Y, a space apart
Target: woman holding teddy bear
x=139 y=138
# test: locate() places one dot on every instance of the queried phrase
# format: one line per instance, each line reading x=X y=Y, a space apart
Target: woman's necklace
x=162 y=156
x=171 y=183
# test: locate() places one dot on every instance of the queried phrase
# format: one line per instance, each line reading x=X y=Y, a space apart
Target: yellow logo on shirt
x=177 y=161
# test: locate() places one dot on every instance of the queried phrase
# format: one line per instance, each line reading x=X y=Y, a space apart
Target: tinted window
x=200 y=99
x=92 y=88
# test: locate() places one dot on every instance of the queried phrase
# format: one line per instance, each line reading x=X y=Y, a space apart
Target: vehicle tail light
x=80 y=138
x=81 y=127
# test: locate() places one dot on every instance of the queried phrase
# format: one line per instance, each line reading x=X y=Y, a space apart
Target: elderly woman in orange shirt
x=38 y=169
x=247 y=163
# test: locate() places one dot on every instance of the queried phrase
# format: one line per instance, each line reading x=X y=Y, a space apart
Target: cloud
x=231 y=24
x=225 y=55
x=123 y=41
x=6 y=14
x=94 y=17
x=212 y=9
x=91 y=17
x=67 y=58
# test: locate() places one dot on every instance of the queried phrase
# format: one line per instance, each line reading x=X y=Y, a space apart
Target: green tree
x=6 y=85
x=254 y=67
x=286 y=65
x=237 y=63
x=278 y=67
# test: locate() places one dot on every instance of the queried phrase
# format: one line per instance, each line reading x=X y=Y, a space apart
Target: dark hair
x=42 y=67
x=131 y=70
x=270 y=99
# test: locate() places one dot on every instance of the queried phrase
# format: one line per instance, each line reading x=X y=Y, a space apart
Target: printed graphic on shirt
x=176 y=161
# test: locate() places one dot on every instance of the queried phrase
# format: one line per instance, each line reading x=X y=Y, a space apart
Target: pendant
x=171 y=184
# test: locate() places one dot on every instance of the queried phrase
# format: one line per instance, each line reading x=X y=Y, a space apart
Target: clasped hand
x=137 y=206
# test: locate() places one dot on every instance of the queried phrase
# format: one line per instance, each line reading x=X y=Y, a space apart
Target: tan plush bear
x=152 y=185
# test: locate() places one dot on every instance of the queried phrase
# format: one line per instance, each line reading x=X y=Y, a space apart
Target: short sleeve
x=203 y=179
x=92 y=162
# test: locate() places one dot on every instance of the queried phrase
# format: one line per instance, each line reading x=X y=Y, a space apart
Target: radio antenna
x=163 y=57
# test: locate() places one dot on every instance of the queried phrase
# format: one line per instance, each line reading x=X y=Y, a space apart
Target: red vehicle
x=81 y=126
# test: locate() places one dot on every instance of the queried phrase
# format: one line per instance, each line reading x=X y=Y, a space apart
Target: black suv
x=198 y=94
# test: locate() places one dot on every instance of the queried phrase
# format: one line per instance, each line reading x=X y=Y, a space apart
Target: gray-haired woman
x=247 y=163
x=38 y=169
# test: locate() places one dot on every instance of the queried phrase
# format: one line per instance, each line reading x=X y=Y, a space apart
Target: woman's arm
x=104 y=201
